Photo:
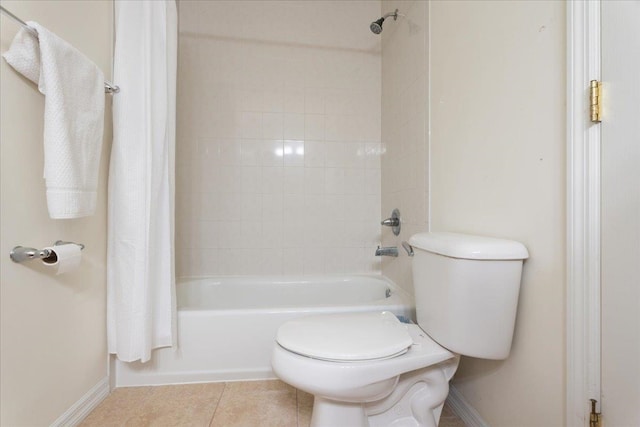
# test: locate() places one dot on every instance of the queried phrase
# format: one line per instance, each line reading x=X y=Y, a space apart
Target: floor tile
x=256 y=403
x=176 y=405
x=447 y=411
x=234 y=404
x=305 y=407
x=450 y=422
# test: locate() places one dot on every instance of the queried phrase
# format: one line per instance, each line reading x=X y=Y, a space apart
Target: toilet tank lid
x=466 y=246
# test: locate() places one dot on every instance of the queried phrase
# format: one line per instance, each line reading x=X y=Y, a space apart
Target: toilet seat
x=348 y=337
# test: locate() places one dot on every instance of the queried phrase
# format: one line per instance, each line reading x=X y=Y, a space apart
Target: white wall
x=52 y=327
x=278 y=138
x=498 y=169
x=479 y=148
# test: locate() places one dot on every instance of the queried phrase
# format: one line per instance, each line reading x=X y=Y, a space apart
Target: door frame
x=583 y=214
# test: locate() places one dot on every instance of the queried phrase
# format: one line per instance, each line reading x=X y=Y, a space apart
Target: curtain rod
x=108 y=86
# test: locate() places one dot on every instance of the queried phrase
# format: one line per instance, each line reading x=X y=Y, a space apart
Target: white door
x=620 y=226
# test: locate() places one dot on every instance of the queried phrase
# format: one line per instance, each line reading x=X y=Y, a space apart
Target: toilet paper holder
x=22 y=253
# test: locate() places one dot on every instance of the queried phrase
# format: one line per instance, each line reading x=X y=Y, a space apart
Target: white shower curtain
x=141 y=313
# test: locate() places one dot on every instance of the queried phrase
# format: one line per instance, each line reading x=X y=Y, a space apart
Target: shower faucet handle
x=393 y=222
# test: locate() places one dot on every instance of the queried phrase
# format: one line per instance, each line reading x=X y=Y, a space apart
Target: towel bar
x=108 y=86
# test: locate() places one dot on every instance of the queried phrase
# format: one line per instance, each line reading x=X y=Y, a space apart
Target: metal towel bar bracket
x=22 y=253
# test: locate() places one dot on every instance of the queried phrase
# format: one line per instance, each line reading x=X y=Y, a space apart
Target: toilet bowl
x=356 y=372
x=371 y=370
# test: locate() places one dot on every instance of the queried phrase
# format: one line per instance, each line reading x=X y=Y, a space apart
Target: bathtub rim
x=399 y=297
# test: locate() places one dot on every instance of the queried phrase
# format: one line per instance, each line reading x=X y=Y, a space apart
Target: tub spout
x=387 y=251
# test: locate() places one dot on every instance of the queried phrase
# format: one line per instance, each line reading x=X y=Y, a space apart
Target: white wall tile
x=272 y=180
x=314 y=180
x=314 y=261
x=273 y=236
x=354 y=182
x=272 y=125
x=293 y=180
x=229 y=233
x=207 y=235
x=277 y=135
x=251 y=125
x=314 y=235
x=335 y=205
x=294 y=126
x=314 y=154
x=294 y=207
x=314 y=101
x=250 y=150
x=335 y=261
x=250 y=207
x=354 y=155
x=272 y=153
x=251 y=177
x=294 y=101
x=293 y=234
x=335 y=234
x=314 y=207
x=292 y=261
x=294 y=152
x=335 y=155
x=272 y=207
x=373 y=152
x=251 y=99
x=250 y=234
x=274 y=101
x=403 y=131
x=314 y=125
x=271 y=262
x=334 y=180
x=372 y=181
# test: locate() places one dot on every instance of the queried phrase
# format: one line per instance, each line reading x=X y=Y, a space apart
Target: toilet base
x=331 y=413
x=416 y=401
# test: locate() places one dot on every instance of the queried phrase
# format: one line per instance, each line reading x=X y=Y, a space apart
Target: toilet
x=370 y=369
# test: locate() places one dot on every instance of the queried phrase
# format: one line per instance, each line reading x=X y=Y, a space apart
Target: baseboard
x=128 y=377
x=87 y=403
x=463 y=409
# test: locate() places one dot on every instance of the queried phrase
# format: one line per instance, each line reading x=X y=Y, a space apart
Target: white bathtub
x=227 y=325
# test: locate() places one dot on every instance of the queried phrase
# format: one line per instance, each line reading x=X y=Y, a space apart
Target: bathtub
x=227 y=325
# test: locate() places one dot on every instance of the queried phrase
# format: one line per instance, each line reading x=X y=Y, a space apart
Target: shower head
x=376 y=26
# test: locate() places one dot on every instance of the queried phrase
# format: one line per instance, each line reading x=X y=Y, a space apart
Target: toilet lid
x=346 y=337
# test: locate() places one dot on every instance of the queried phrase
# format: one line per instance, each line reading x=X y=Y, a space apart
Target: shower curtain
x=141 y=307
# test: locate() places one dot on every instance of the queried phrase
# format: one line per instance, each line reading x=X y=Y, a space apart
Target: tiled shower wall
x=278 y=147
x=405 y=129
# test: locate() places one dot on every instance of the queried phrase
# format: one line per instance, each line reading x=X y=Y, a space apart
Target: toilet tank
x=466 y=289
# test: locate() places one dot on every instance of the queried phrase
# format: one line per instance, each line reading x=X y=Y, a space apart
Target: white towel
x=73 y=117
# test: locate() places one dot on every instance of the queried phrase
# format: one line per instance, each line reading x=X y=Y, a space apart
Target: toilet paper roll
x=63 y=258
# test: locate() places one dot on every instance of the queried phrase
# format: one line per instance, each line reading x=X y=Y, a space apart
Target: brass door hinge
x=595 y=418
x=595 y=99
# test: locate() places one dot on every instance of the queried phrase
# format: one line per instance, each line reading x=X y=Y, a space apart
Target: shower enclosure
x=279 y=140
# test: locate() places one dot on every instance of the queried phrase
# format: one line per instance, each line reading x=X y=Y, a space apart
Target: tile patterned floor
x=233 y=404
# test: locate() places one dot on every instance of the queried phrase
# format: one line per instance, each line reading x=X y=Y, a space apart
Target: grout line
x=298 y=407
x=224 y=388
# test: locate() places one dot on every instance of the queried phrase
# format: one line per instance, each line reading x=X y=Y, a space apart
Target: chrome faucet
x=387 y=251
x=394 y=222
